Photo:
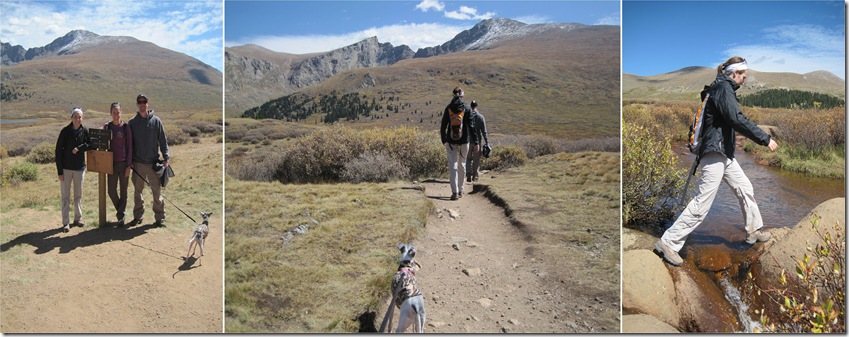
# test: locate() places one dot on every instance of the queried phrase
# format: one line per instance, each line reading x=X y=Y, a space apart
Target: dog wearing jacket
x=199 y=235
x=405 y=294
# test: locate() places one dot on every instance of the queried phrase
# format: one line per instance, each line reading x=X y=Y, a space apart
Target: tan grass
x=323 y=280
x=568 y=206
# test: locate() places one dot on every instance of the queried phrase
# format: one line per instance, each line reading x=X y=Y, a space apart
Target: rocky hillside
x=85 y=69
x=686 y=83
x=488 y=33
x=561 y=80
x=256 y=75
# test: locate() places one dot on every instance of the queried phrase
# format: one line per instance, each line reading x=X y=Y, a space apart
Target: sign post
x=100 y=161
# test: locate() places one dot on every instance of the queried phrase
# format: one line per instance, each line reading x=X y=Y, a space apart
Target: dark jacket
x=479 y=128
x=445 y=127
x=65 y=144
x=148 y=139
x=723 y=117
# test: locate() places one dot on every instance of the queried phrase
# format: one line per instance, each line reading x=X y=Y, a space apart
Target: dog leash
x=163 y=196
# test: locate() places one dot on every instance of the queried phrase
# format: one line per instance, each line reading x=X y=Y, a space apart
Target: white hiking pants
x=716 y=168
x=76 y=178
x=457 y=165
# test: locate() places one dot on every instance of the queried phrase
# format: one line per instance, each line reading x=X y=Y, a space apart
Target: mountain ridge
x=685 y=84
x=85 y=69
x=254 y=78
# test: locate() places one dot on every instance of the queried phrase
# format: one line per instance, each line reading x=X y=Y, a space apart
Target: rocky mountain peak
x=71 y=43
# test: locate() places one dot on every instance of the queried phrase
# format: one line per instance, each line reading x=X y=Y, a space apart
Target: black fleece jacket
x=723 y=117
x=68 y=140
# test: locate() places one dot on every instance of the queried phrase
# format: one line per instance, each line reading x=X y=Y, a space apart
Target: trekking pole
x=690 y=174
x=163 y=196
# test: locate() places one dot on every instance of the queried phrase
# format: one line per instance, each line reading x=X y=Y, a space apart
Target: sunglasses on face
x=141 y=102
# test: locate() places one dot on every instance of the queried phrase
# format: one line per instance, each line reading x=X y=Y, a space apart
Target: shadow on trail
x=188 y=264
x=45 y=241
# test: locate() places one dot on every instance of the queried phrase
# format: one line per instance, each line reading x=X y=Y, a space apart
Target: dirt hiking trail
x=478 y=273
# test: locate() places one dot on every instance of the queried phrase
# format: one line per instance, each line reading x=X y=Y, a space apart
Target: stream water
x=783 y=198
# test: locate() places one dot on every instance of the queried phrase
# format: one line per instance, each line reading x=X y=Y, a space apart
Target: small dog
x=199 y=235
x=405 y=294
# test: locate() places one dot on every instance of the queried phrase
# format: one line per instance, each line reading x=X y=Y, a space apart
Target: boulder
x=783 y=251
x=647 y=286
x=634 y=239
x=642 y=323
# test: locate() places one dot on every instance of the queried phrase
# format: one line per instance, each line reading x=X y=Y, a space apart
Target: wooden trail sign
x=100 y=161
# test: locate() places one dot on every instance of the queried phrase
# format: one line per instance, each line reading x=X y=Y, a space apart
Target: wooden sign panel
x=99 y=161
x=100 y=138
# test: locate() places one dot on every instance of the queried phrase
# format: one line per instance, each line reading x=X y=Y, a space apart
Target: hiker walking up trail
x=722 y=117
x=478 y=124
x=454 y=131
x=121 y=147
x=148 y=141
x=70 y=163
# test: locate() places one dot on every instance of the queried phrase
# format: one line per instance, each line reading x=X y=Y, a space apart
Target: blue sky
x=301 y=27
x=194 y=28
x=773 y=36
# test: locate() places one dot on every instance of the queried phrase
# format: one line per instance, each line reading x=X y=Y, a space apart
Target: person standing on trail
x=478 y=125
x=73 y=140
x=148 y=142
x=455 y=131
x=722 y=117
x=121 y=147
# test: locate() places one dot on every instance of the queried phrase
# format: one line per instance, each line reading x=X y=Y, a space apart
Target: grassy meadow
x=811 y=141
x=568 y=205
x=325 y=279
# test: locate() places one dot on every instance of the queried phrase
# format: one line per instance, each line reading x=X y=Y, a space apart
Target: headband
x=736 y=66
x=75 y=110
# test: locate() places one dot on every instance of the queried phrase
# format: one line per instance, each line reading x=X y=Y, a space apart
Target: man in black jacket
x=479 y=138
x=722 y=118
x=457 y=147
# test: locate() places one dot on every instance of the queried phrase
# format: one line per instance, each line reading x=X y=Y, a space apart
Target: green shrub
x=651 y=180
x=176 y=135
x=504 y=157
x=813 y=298
x=374 y=167
x=3 y=152
x=20 y=172
x=322 y=156
x=43 y=153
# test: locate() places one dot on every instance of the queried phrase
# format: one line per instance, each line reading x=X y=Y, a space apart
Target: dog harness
x=404 y=285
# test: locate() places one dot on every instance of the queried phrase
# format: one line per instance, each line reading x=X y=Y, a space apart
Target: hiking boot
x=454 y=196
x=460 y=195
x=136 y=221
x=159 y=223
x=120 y=222
x=66 y=228
x=468 y=179
x=758 y=236
x=670 y=255
x=77 y=224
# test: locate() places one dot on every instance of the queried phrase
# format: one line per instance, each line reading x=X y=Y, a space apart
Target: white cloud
x=534 y=19
x=612 y=20
x=468 y=13
x=427 y=5
x=193 y=28
x=796 y=49
x=413 y=35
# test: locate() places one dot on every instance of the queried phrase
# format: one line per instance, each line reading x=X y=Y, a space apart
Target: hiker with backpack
x=455 y=131
x=478 y=125
x=721 y=119
x=121 y=147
